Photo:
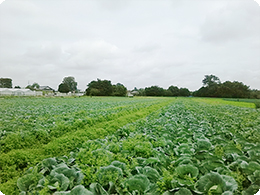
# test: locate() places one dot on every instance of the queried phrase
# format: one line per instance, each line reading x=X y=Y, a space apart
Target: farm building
x=132 y=93
x=46 y=90
x=18 y=92
x=129 y=94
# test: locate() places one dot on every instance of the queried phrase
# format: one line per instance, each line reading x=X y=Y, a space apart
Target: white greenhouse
x=18 y=92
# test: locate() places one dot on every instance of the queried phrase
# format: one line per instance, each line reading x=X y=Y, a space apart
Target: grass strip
x=219 y=101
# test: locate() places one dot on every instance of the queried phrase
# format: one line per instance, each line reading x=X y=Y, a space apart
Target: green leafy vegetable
x=215 y=183
x=138 y=183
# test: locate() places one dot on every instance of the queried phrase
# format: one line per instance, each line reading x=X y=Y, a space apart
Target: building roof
x=46 y=88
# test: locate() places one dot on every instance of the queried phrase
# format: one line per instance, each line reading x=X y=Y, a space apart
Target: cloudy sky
x=138 y=43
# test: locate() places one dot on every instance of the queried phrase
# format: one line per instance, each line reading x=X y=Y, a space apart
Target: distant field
x=109 y=145
x=249 y=103
x=242 y=100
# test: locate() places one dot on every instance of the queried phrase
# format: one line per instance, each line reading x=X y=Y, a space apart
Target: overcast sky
x=138 y=43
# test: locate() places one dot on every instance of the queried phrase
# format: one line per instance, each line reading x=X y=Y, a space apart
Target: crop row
x=14 y=162
x=26 y=124
x=186 y=148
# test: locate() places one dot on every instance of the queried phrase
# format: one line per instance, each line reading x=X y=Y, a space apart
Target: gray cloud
x=137 y=43
x=236 y=21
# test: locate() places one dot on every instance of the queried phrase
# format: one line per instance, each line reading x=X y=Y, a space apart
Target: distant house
x=132 y=93
x=46 y=90
x=135 y=92
x=129 y=94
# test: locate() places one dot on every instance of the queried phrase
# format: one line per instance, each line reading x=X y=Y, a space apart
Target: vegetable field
x=129 y=146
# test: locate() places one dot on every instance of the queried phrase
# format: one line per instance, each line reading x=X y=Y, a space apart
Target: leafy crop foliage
x=66 y=124
x=187 y=147
x=26 y=123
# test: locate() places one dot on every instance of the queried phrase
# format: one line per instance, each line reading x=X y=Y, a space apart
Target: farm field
x=242 y=100
x=129 y=146
x=32 y=129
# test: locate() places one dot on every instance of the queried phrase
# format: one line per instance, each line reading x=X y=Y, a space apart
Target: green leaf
x=97 y=189
x=138 y=182
x=254 y=155
x=59 y=181
x=210 y=182
x=152 y=161
x=29 y=181
x=203 y=145
x=210 y=165
x=151 y=173
x=183 y=191
x=253 y=189
x=227 y=193
x=184 y=182
x=251 y=167
x=182 y=160
x=60 y=168
x=112 y=188
x=216 y=183
x=62 y=193
x=167 y=193
x=119 y=164
x=203 y=155
x=231 y=184
x=231 y=149
x=71 y=173
x=187 y=170
x=255 y=178
x=140 y=160
x=234 y=166
x=109 y=173
x=80 y=190
x=50 y=163
x=184 y=149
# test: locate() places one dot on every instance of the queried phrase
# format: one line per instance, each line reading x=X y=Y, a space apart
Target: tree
x=5 y=83
x=141 y=92
x=17 y=87
x=184 y=92
x=34 y=86
x=154 y=91
x=255 y=94
x=119 y=90
x=63 y=88
x=70 y=81
x=234 y=90
x=99 y=88
x=210 y=80
x=174 y=90
x=213 y=88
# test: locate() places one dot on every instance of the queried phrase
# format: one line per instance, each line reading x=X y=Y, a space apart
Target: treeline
x=94 y=88
x=172 y=91
x=105 y=88
x=212 y=87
